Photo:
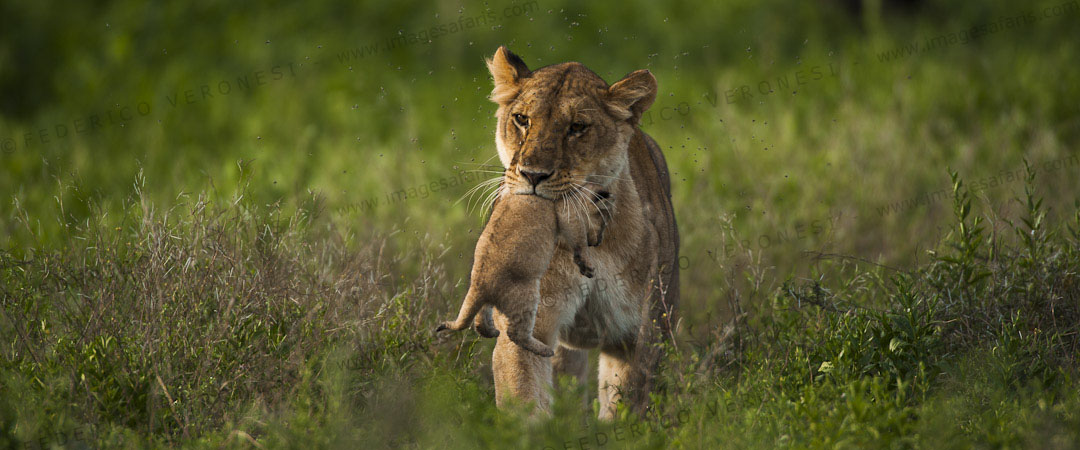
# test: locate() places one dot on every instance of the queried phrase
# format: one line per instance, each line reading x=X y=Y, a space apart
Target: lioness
x=563 y=125
x=514 y=252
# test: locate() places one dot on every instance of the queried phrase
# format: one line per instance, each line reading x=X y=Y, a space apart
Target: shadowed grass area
x=216 y=324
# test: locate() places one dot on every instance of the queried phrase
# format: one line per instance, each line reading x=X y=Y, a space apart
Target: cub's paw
x=596 y=236
x=545 y=352
x=583 y=267
x=452 y=326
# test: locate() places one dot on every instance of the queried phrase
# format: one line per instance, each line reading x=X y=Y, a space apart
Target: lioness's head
x=561 y=126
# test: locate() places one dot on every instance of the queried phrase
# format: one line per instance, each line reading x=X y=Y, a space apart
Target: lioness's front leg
x=523 y=376
x=520 y=375
x=574 y=363
x=614 y=379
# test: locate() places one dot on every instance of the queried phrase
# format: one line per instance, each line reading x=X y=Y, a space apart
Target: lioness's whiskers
x=589 y=197
x=488 y=197
x=490 y=200
x=592 y=199
x=483 y=163
x=481 y=186
x=581 y=208
x=566 y=203
x=585 y=209
x=569 y=201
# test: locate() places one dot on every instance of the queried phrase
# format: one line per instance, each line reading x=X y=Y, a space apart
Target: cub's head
x=561 y=126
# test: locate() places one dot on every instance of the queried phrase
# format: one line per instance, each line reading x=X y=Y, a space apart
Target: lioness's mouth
x=538 y=194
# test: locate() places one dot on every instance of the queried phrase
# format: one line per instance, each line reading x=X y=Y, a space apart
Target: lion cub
x=512 y=255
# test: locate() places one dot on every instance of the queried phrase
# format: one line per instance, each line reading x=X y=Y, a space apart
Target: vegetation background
x=236 y=224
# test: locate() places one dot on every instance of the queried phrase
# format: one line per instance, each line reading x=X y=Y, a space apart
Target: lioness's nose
x=534 y=177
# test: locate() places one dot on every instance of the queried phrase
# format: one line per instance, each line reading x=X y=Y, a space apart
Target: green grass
x=229 y=271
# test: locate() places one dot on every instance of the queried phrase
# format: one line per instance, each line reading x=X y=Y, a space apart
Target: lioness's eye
x=521 y=120
x=578 y=128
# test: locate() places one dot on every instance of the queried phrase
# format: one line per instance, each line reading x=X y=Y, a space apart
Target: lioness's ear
x=630 y=97
x=507 y=69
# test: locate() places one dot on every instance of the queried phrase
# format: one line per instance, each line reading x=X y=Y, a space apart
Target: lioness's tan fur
x=627 y=307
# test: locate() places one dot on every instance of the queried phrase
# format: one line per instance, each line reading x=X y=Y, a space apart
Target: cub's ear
x=630 y=97
x=507 y=69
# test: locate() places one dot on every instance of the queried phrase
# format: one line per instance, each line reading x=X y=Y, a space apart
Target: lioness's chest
x=609 y=305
